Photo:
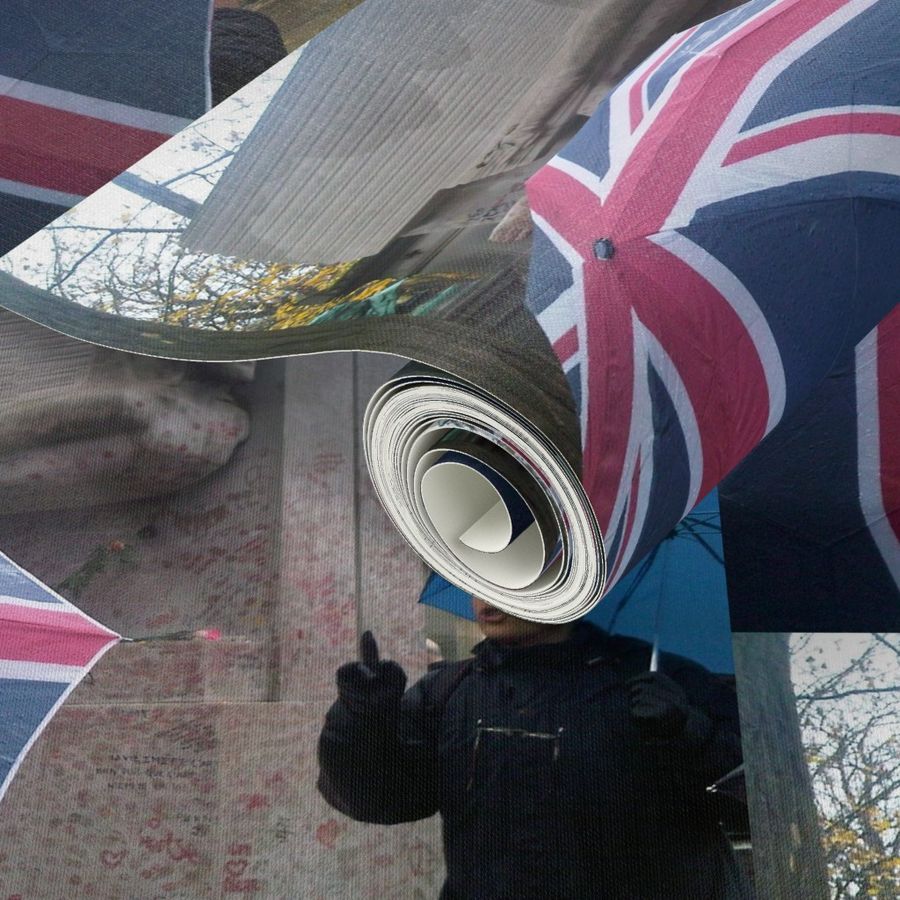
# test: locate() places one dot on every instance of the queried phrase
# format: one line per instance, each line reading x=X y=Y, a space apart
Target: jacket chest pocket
x=512 y=804
x=513 y=762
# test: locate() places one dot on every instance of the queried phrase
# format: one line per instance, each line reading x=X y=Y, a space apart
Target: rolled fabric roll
x=497 y=500
x=522 y=535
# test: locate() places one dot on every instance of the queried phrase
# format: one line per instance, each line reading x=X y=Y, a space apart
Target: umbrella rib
x=638 y=578
x=704 y=543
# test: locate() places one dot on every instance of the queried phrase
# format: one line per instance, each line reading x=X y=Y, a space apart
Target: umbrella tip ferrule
x=603 y=248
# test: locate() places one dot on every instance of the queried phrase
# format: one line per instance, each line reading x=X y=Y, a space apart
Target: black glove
x=659 y=706
x=370 y=687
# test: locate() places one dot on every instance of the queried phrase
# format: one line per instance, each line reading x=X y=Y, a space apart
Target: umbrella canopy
x=46 y=647
x=675 y=598
x=86 y=89
x=710 y=241
x=819 y=502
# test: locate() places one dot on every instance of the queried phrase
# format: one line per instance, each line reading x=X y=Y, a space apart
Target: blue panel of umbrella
x=675 y=597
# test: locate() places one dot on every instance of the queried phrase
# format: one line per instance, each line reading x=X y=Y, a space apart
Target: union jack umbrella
x=709 y=250
x=46 y=647
x=87 y=88
x=819 y=504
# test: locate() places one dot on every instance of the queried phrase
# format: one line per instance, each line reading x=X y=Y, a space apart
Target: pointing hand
x=370 y=686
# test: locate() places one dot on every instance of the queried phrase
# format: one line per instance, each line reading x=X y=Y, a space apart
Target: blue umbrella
x=676 y=597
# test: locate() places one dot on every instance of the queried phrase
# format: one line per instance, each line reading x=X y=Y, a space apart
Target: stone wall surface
x=186 y=769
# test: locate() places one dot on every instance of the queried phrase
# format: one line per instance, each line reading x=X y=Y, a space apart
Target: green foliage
x=145 y=273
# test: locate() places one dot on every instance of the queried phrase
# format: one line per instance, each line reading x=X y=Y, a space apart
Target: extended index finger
x=368 y=651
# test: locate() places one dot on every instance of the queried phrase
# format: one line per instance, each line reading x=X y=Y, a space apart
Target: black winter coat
x=543 y=784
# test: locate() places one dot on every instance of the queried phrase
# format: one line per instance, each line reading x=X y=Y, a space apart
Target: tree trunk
x=787 y=852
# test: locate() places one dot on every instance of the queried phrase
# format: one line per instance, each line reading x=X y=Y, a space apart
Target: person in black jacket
x=561 y=767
